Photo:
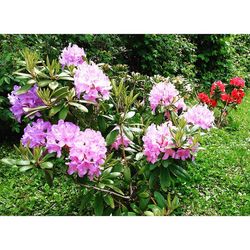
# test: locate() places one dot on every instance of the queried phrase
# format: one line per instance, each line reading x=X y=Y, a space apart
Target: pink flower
x=61 y=135
x=35 y=134
x=30 y=99
x=180 y=104
x=72 y=55
x=158 y=143
x=87 y=154
x=126 y=142
x=162 y=94
x=156 y=140
x=90 y=81
x=182 y=154
x=201 y=116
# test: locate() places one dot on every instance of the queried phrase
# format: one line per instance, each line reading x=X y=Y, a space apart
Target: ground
x=219 y=184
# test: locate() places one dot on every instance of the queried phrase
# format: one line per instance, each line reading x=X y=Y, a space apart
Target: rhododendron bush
x=125 y=148
x=224 y=97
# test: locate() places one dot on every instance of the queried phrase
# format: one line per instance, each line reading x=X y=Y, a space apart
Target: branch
x=106 y=191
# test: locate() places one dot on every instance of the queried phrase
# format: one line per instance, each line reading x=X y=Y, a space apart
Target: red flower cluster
x=236 y=96
x=218 y=91
x=237 y=82
x=205 y=99
x=217 y=86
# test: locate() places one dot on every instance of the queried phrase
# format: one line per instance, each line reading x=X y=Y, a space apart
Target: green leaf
x=153 y=178
x=24 y=89
x=114 y=175
x=8 y=161
x=149 y=213
x=53 y=85
x=25 y=168
x=127 y=174
x=109 y=201
x=60 y=91
x=55 y=110
x=139 y=156
x=44 y=83
x=116 y=189
x=46 y=165
x=111 y=137
x=143 y=195
x=79 y=106
x=162 y=203
x=101 y=123
x=22 y=162
x=179 y=172
x=165 y=179
x=129 y=114
x=98 y=205
x=152 y=166
x=166 y=163
x=64 y=112
x=128 y=133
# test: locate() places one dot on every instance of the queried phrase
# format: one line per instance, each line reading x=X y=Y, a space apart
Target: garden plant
x=123 y=139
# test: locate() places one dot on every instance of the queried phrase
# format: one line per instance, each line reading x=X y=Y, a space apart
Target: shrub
x=89 y=128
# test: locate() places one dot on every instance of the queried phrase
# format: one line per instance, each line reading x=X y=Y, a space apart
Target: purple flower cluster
x=90 y=81
x=87 y=149
x=201 y=116
x=72 y=55
x=35 y=134
x=30 y=99
x=162 y=94
x=159 y=143
x=87 y=154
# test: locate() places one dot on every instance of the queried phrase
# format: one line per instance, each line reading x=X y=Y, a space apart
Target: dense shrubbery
x=199 y=59
x=98 y=129
x=126 y=138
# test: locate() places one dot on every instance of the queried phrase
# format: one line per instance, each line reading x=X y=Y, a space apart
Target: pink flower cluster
x=158 y=142
x=86 y=149
x=126 y=142
x=162 y=94
x=30 y=99
x=61 y=135
x=87 y=154
x=35 y=134
x=90 y=81
x=201 y=116
x=72 y=55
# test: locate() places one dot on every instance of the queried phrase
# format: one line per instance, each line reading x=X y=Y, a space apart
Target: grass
x=220 y=179
x=219 y=185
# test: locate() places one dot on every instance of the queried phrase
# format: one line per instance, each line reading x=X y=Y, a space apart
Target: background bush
x=201 y=59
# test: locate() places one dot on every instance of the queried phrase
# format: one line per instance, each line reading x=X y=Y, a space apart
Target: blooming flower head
x=156 y=140
x=30 y=99
x=237 y=82
x=90 y=81
x=87 y=154
x=204 y=98
x=72 y=55
x=121 y=140
x=180 y=104
x=35 y=134
x=163 y=94
x=201 y=116
x=159 y=144
x=217 y=86
x=61 y=135
x=237 y=95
